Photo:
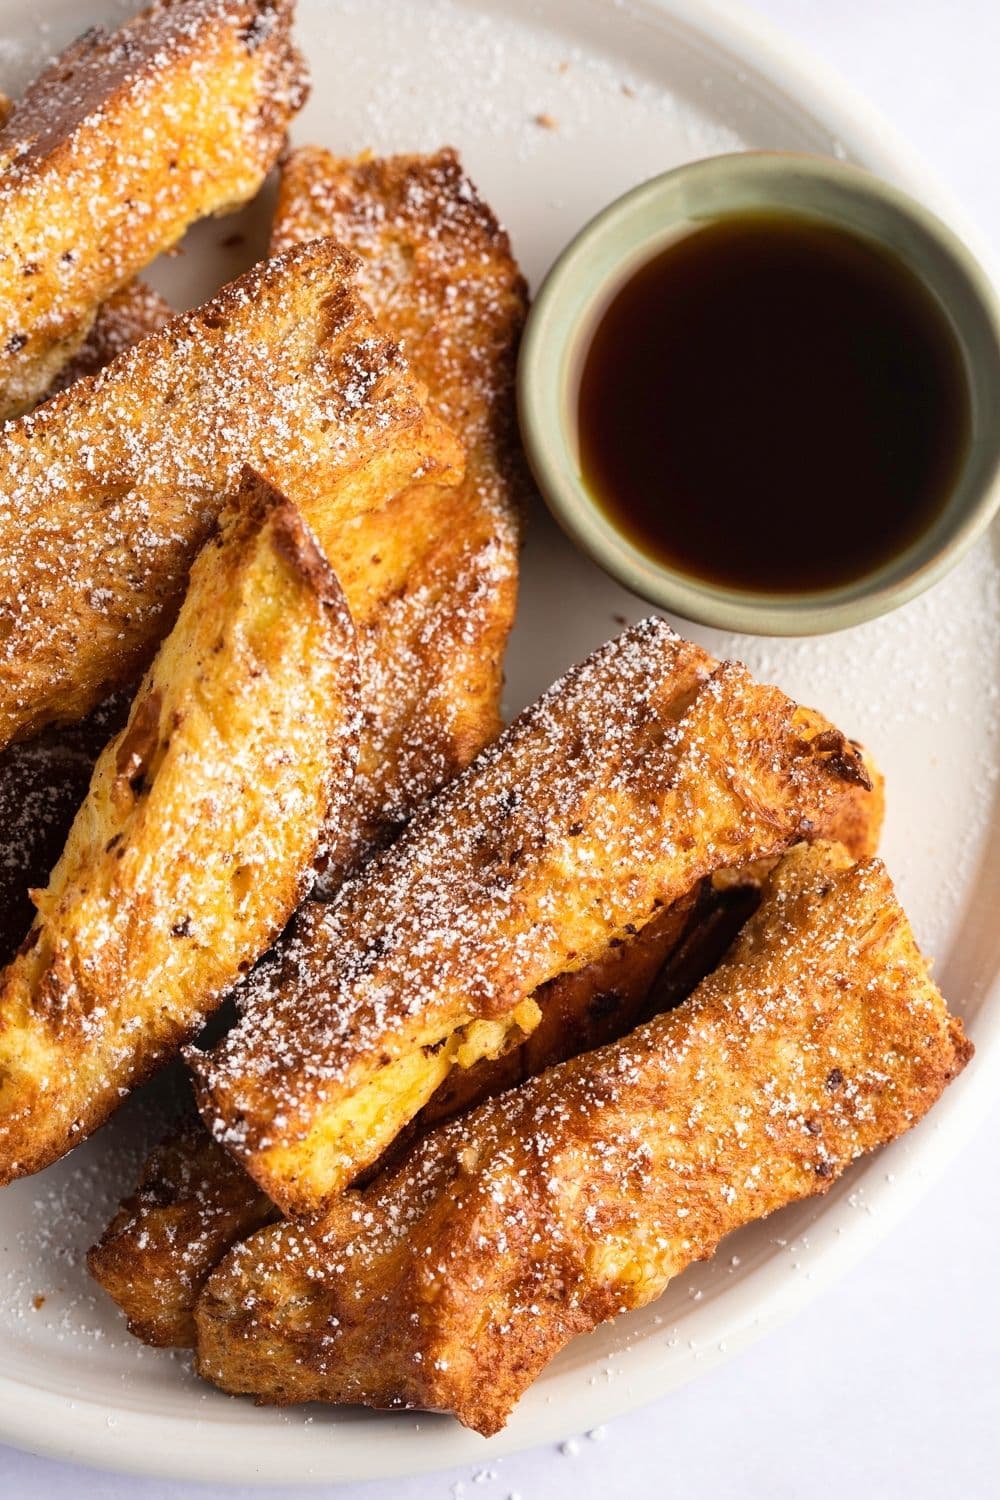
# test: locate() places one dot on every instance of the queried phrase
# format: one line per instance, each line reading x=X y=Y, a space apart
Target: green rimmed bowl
x=639 y=225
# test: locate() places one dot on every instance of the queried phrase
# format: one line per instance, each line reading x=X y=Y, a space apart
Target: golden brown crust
x=108 y=489
x=853 y=816
x=121 y=143
x=450 y=1282
x=435 y=266
x=431 y=579
x=193 y=1202
x=433 y=605
x=239 y=734
x=641 y=772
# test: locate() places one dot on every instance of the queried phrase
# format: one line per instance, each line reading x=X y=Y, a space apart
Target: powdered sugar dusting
x=452 y=1278
x=545 y=184
x=107 y=490
x=634 y=776
x=431 y=580
x=115 y=149
x=495 y=74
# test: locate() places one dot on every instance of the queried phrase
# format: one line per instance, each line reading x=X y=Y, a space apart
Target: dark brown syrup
x=772 y=404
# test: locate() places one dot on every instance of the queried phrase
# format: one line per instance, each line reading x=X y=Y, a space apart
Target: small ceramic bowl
x=642 y=223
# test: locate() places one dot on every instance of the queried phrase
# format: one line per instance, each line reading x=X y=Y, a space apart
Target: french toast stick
x=449 y=1283
x=431 y=579
x=638 y=774
x=190 y=850
x=120 y=144
x=108 y=489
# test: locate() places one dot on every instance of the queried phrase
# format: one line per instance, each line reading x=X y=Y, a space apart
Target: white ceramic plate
x=632 y=88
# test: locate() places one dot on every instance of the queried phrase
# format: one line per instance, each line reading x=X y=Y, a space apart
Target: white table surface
x=889 y=1386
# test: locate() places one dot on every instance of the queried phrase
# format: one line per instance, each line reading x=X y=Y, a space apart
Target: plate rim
x=79 y=1430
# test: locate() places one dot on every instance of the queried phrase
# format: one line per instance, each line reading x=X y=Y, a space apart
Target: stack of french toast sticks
x=526 y=1019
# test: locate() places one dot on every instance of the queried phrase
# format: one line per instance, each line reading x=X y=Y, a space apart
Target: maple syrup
x=772 y=404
